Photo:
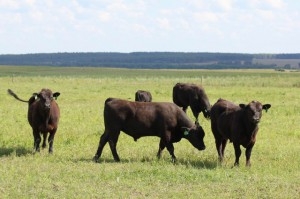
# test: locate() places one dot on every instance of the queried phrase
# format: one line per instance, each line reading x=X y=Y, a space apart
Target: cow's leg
x=196 y=115
x=170 y=148
x=218 y=140
x=37 y=141
x=219 y=149
x=238 y=152
x=103 y=140
x=161 y=148
x=224 y=143
x=51 y=140
x=113 y=145
x=44 y=140
x=248 y=154
x=220 y=146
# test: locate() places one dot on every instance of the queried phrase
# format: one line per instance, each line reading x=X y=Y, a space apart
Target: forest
x=171 y=60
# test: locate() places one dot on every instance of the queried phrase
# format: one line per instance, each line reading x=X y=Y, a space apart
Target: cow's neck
x=250 y=127
x=45 y=116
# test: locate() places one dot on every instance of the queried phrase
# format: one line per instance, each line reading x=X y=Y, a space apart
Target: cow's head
x=195 y=136
x=201 y=103
x=45 y=96
x=254 y=110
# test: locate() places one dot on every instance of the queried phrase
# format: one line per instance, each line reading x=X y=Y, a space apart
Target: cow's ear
x=185 y=131
x=266 y=107
x=35 y=95
x=56 y=94
x=242 y=105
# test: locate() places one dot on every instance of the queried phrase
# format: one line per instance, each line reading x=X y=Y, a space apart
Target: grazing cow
x=43 y=116
x=239 y=124
x=143 y=96
x=139 y=119
x=185 y=95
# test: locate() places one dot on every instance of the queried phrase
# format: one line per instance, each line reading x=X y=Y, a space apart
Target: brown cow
x=192 y=95
x=139 y=119
x=143 y=96
x=43 y=116
x=239 y=124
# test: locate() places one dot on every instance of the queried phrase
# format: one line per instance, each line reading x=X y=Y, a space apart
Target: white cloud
x=9 y=4
x=226 y=5
x=182 y=23
x=267 y=4
x=197 y=4
x=275 y=3
x=266 y=15
x=206 y=17
x=104 y=16
x=30 y=2
x=164 y=23
x=141 y=29
x=117 y=6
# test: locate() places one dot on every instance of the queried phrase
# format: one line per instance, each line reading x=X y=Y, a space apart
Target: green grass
x=71 y=173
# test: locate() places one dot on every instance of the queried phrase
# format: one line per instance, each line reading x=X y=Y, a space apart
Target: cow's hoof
x=95 y=159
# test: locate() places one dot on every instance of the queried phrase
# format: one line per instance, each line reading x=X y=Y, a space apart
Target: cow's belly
x=137 y=130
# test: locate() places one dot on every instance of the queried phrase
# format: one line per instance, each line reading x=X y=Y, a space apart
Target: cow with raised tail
x=139 y=119
x=192 y=95
x=43 y=116
x=238 y=123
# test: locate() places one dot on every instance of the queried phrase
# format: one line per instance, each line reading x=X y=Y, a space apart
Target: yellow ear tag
x=186 y=132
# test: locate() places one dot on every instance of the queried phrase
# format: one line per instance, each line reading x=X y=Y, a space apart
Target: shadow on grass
x=17 y=151
x=199 y=164
x=100 y=160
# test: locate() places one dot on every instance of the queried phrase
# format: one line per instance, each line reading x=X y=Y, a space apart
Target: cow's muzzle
x=206 y=114
x=47 y=106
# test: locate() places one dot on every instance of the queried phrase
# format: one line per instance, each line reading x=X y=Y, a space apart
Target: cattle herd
x=168 y=121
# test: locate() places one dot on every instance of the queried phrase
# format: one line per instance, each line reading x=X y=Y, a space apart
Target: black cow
x=143 y=96
x=139 y=119
x=43 y=116
x=239 y=124
x=192 y=95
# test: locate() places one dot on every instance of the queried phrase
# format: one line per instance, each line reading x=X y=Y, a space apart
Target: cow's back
x=181 y=94
x=224 y=118
x=222 y=106
x=123 y=110
x=149 y=118
x=186 y=94
x=220 y=114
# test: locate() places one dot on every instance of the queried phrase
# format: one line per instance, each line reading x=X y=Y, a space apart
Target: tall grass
x=71 y=173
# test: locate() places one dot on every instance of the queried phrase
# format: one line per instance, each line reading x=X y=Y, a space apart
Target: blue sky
x=241 y=26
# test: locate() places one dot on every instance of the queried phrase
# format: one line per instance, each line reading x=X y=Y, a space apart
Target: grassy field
x=71 y=173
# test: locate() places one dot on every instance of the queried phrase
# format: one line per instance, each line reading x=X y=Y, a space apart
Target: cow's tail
x=15 y=96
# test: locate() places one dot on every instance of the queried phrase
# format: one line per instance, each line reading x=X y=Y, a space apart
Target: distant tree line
x=144 y=60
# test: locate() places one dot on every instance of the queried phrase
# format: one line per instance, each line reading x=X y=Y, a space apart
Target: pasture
x=70 y=172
